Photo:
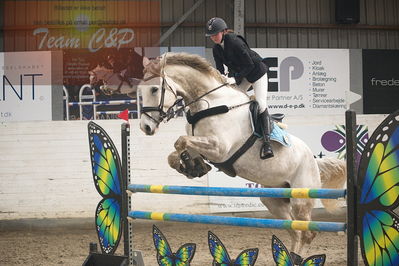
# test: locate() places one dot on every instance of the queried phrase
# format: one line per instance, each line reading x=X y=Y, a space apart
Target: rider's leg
x=260 y=88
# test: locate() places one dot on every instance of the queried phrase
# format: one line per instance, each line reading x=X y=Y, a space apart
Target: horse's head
x=158 y=95
x=113 y=83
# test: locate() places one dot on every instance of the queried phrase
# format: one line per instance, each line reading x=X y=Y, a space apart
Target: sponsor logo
x=385 y=82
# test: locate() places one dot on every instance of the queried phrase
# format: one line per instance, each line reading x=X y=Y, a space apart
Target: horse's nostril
x=147 y=129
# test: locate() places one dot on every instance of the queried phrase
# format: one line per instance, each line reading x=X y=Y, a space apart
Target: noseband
x=170 y=113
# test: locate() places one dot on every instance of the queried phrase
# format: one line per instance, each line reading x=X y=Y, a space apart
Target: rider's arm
x=241 y=50
x=218 y=59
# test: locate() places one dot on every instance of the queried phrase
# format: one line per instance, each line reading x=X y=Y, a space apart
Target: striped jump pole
x=241 y=192
x=240 y=221
x=114 y=112
x=112 y=102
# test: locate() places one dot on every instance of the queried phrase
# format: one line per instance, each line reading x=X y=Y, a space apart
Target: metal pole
x=181 y=19
x=126 y=204
x=352 y=241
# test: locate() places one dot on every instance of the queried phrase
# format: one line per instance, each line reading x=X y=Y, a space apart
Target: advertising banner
x=107 y=35
x=323 y=140
x=26 y=91
x=307 y=81
x=92 y=25
x=380 y=81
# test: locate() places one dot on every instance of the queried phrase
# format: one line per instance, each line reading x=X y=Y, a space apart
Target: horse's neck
x=207 y=90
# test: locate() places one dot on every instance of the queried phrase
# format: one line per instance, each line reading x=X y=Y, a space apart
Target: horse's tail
x=333 y=175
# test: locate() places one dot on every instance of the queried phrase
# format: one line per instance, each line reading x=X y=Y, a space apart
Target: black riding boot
x=266 y=151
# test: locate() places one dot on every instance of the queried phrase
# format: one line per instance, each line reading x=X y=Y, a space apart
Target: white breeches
x=260 y=88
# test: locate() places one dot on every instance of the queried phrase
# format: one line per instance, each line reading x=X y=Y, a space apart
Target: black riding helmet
x=214 y=26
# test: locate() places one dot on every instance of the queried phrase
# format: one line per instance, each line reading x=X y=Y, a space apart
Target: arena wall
x=46 y=169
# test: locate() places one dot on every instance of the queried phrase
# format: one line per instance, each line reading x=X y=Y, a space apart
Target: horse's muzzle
x=148 y=130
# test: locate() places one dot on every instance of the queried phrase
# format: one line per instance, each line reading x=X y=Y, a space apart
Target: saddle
x=227 y=166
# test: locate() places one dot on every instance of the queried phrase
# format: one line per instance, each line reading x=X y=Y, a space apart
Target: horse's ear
x=146 y=61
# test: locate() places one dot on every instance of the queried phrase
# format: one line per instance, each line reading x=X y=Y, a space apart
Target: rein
x=170 y=113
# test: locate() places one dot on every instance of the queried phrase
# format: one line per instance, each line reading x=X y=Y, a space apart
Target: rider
x=245 y=66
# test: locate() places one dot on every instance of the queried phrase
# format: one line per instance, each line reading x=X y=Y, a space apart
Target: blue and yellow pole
x=240 y=221
x=242 y=192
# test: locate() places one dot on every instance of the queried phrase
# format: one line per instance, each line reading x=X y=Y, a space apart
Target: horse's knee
x=181 y=143
x=302 y=208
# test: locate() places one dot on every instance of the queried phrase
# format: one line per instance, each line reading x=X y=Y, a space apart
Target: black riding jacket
x=241 y=61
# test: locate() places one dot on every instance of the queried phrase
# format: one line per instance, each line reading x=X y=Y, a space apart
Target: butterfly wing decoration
x=316 y=260
x=221 y=256
x=378 y=178
x=106 y=168
x=165 y=256
x=282 y=257
x=247 y=257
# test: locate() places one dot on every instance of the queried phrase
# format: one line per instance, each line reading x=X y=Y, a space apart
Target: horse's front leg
x=188 y=164
x=191 y=149
x=210 y=147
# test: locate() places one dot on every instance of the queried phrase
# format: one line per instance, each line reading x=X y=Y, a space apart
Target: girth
x=226 y=166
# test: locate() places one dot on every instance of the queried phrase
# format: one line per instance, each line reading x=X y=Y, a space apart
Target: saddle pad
x=280 y=136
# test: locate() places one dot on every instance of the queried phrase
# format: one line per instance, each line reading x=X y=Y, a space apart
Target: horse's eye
x=154 y=90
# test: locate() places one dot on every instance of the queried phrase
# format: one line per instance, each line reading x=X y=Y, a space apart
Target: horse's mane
x=184 y=59
x=194 y=61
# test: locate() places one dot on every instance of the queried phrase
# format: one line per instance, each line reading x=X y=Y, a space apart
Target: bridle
x=170 y=112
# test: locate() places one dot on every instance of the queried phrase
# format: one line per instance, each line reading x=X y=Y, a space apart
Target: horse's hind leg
x=302 y=210
x=281 y=209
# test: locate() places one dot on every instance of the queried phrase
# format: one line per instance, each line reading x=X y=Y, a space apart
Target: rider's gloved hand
x=230 y=80
x=238 y=78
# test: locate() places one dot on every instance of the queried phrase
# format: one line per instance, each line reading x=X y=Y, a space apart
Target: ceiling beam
x=181 y=20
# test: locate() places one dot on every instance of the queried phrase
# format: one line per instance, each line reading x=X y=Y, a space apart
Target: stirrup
x=266 y=151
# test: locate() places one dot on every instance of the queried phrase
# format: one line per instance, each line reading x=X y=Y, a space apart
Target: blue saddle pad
x=280 y=135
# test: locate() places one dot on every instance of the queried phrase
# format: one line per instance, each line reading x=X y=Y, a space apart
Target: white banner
x=323 y=140
x=25 y=92
x=307 y=81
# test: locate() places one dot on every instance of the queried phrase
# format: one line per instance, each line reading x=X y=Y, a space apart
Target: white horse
x=216 y=138
x=114 y=83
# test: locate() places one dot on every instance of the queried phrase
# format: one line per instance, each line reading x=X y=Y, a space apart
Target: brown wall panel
x=268 y=23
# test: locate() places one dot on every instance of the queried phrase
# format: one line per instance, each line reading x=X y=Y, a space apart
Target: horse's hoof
x=188 y=173
x=187 y=160
x=201 y=167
